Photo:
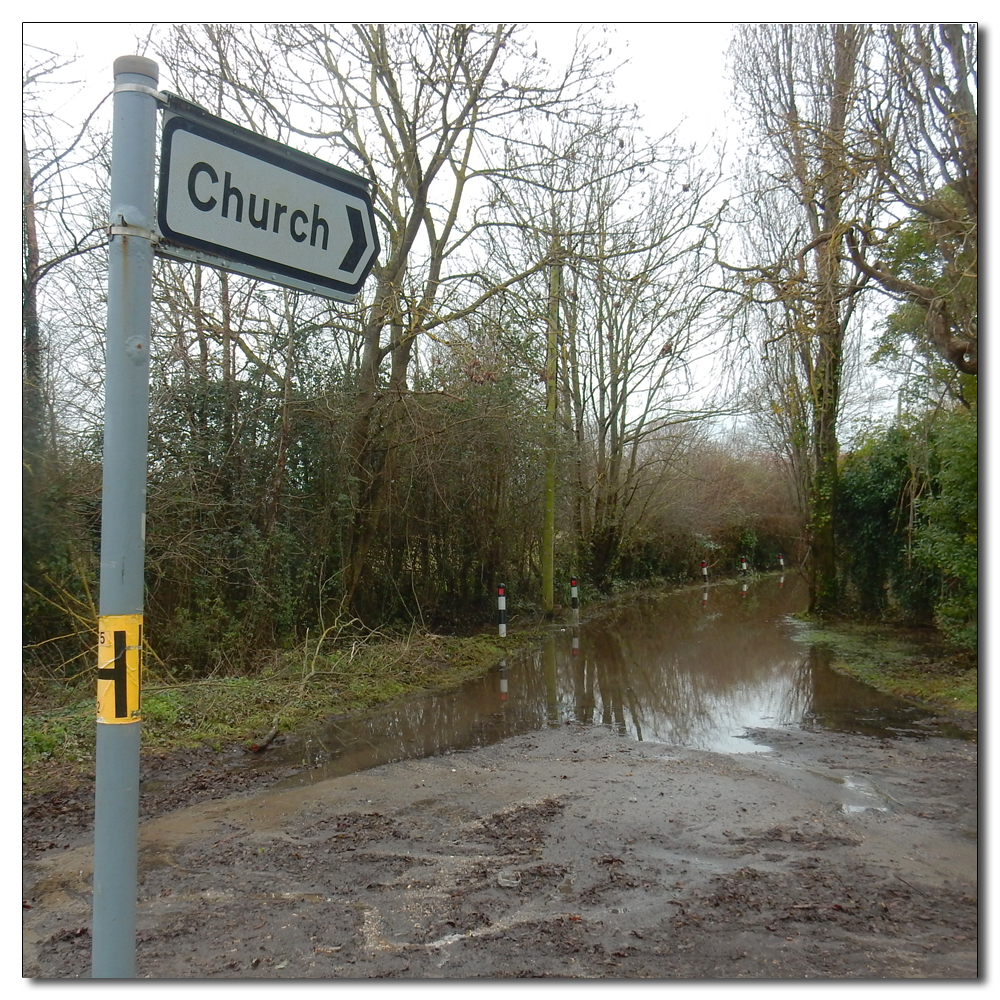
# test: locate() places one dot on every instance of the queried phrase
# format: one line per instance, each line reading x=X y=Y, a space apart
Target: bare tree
x=802 y=87
x=923 y=120
x=57 y=226
x=625 y=312
x=425 y=111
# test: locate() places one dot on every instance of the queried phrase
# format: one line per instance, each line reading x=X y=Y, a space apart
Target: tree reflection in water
x=684 y=669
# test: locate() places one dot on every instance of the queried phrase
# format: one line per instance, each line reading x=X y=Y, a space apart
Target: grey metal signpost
x=230 y=199
x=123 y=515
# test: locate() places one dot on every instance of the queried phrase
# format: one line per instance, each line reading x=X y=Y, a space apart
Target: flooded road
x=700 y=669
x=678 y=789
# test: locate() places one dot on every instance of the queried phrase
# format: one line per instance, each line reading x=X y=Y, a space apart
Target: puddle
x=858 y=793
x=702 y=669
x=863 y=795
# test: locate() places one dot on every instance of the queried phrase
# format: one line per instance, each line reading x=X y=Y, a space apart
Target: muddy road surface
x=566 y=852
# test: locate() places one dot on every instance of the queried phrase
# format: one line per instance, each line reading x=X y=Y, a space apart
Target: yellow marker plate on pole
x=119 y=666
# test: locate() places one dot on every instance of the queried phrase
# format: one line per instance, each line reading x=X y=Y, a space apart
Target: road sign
x=242 y=202
x=119 y=668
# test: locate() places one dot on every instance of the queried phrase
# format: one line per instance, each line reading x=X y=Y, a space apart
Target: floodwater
x=704 y=668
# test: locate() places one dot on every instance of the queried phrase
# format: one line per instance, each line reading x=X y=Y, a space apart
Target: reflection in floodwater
x=698 y=668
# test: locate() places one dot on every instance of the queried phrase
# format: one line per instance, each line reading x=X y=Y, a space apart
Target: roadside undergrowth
x=329 y=674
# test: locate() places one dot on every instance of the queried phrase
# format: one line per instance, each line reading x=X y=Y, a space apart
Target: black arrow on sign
x=117 y=674
x=360 y=241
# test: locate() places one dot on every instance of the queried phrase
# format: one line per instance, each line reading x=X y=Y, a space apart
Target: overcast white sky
x=676 y=72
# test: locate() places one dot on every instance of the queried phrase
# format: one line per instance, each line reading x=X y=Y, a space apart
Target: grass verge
x=342 y=675
x=915 y=664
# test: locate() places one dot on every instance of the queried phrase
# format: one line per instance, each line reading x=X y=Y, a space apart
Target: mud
x=571 y=852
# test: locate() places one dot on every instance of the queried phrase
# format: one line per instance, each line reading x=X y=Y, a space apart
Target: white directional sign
x=234 y=199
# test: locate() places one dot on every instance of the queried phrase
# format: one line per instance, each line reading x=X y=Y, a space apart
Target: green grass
x=296 y=689
x=913 y=664
x=63 y=734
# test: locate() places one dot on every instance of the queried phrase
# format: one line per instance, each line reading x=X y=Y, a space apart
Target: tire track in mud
x=566 y=854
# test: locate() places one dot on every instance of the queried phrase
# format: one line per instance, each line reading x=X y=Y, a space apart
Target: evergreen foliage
x=908 y=517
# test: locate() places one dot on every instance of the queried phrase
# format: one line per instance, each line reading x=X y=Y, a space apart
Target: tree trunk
x=374 y=440
x=575 y=428
x=551 y=392
x=828 y=364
